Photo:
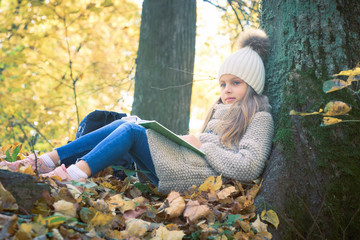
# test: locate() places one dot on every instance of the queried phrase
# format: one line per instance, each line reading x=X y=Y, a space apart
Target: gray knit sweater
x=178 y=168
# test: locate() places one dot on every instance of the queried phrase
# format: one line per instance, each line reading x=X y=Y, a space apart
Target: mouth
x=230 y=99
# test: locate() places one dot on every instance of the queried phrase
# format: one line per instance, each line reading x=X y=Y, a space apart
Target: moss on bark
x=312 y=40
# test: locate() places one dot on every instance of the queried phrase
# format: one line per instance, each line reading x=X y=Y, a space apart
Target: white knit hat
x=247 y=63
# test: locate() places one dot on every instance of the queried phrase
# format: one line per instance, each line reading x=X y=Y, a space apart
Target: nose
x=227 y=88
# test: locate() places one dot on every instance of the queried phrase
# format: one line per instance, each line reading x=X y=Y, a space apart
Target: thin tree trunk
x=163 y=79
x=313 y=176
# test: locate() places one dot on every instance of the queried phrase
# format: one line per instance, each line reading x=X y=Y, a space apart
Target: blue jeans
x=107 y=145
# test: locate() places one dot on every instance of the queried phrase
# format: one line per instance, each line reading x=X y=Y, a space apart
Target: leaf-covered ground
x=108 y=208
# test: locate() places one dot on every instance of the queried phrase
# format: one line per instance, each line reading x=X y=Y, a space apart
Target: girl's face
x=232 y=88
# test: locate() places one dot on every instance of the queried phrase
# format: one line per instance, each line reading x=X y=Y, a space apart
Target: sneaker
x=60 y=172
x=29 y=160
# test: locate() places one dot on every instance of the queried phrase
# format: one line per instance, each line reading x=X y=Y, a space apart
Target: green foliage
x=13 y=156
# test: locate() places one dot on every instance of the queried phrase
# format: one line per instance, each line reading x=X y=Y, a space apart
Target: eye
x=237 y=83
x=222 y=85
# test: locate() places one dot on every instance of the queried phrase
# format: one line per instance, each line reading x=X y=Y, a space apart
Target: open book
x=154 y=125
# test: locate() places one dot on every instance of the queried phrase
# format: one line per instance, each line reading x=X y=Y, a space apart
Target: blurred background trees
x=61 y=59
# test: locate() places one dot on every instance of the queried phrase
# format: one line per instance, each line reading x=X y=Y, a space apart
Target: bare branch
x=224 y=9
x=237 y=16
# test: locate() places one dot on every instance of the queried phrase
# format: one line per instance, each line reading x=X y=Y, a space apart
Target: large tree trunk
x=313 y=176
x=163 y=79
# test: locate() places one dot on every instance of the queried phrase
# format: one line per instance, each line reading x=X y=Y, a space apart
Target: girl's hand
x=192 y=140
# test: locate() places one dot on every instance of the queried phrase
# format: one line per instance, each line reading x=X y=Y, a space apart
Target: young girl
x=236 y=136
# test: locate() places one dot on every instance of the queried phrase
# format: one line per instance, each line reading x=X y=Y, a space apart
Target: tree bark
x=165 y=63
x=312 y=179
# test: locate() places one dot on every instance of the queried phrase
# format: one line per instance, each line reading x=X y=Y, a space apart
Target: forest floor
x=106 y=207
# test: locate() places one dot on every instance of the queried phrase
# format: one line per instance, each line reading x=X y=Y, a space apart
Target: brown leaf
x=7 y=201
x=176 y=205
x=139 y=210
x=226 y=192
x=194 y=211
x=253 y=191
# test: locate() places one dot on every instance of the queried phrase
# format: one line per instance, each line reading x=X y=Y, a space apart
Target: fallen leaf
x=27 y=170
x=86 y=214
x=128 y=205
x=100 y=205
x=194 y=211
x=258 y=225
x=263 y=236
x=114 y=202
x=52 y=221
x=176 y=204
x=162 y=233
x=7 y=201
x=211 y=184
x=101 y=219
x=226 y=192
x=137 y=227
x=271 y=217
x=251 y=194
x=139 y=210
x=66 y=208
x=244 y=225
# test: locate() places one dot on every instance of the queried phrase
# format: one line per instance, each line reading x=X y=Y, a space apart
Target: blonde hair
x=238 y=117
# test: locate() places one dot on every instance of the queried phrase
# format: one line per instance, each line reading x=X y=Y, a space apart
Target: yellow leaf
x=194 y=211
x=263 y=236
x=330 y=121
x=27 y=170
x=115 y=201
x=258 y=225
x=334 y=108
x=210 y=184
x=24 y=231
x=176 y=204
x=137 y=227
x=226 y=192
x=292 y=112
x=271 y=217
x=351 y=72
x=221 y=237
x=100 y=205
x=162 y=233
x=102 y=219
x=66 y=208
x=245 y=226
x=128 y=205
x=52 y=221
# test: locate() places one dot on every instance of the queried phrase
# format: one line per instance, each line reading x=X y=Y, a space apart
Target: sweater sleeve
x=247 y=163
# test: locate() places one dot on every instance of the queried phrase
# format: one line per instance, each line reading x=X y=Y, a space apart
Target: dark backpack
x=98 y=119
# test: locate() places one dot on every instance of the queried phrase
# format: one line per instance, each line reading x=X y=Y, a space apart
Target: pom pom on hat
x=247 y=62
x=256 y=39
